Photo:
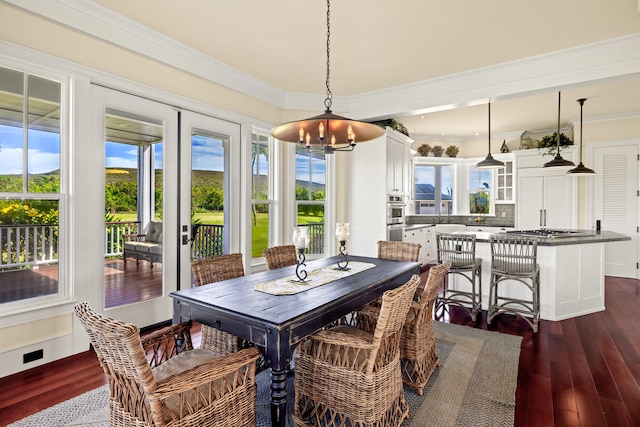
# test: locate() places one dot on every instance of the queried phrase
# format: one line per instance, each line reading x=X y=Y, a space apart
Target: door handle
x=540 y=222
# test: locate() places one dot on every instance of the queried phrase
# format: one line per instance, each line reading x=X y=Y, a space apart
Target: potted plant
x=424 y=150
x=550 y=142
x=452 y=151
x=437 y=151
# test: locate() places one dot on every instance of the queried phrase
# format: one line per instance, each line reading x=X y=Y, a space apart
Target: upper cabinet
x=547 y=197
x=398 y=148
x=505 y=188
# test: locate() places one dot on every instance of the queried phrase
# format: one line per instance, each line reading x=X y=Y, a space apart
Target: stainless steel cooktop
x=548 y=233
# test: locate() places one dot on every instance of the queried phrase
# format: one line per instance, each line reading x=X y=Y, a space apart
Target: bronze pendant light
x=327 y=132
x=489 y=162
x=558 y=161
x=581 y=169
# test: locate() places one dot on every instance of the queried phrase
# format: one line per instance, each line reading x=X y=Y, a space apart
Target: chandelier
x=327 y=132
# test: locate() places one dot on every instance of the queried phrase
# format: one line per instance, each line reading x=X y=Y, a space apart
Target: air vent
x=34 y=355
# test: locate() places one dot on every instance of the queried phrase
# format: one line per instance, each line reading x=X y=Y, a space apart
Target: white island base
x=571 y=279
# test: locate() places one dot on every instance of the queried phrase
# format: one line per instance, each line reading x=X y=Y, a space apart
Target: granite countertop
x=601 y=236
x=410 y=227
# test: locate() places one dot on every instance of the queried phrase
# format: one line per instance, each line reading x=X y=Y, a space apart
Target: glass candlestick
x=342 y=234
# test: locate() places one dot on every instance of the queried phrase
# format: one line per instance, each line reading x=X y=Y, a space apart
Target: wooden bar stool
x=514 y=258
x=460 y=250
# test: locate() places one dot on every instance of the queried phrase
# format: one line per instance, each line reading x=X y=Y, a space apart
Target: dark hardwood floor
x=578 y=372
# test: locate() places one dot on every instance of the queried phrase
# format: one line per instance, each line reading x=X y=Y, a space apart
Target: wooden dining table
x=277 y=323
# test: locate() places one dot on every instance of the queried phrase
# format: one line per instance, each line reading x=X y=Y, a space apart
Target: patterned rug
x=473 y=386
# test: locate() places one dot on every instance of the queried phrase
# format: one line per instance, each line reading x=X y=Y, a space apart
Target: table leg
x=278 y=397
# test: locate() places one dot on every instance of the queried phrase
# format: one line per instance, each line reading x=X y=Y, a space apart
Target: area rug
x=473 y=386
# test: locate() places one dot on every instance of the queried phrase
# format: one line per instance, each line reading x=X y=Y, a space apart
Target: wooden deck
x=123 y=284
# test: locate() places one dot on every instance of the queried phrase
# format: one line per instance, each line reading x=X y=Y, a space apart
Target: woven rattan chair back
x=280 y=256
x=211 y=270
x=345 y=376
x=417 y=342
x=146 y=386
x=217 y=268
x=398 y=251
x=514 y=255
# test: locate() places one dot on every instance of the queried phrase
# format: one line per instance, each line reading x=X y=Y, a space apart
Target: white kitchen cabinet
x=374 y=168
x=505 y=184
x=425 y=236
x=546 y=197
x=398 y=163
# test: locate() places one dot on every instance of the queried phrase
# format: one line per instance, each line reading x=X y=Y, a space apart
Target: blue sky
x=44 y=155
x=44 y=151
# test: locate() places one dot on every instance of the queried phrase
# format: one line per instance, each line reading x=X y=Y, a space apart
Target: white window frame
x=64 y=294
x=274 y=211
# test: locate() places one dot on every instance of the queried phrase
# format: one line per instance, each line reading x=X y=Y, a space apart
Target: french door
x=209 y=189
x=135 y=150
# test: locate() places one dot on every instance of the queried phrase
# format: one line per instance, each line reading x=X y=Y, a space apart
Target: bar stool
x=460 y=250
x=514 y=258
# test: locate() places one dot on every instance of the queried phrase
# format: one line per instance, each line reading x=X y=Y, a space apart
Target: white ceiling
x=380 y=45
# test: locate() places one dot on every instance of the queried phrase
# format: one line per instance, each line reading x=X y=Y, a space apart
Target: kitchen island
x=571 y=274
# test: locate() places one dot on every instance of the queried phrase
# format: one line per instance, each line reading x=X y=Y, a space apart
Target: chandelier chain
x=328 y=100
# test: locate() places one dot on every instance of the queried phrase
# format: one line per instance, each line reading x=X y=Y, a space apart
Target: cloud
x=39 y=162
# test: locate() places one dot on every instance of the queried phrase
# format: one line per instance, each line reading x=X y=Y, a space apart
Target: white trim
x=32 y=60
x=608 y=59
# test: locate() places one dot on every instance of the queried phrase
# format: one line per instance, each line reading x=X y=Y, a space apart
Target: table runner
x=318 y=277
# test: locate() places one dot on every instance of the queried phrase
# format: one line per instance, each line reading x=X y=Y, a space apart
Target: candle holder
x=343 y=262
x=342 y=234
x=301 y=273
x=301 y=241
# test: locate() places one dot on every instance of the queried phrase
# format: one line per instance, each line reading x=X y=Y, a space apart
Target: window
x=261 y=194
x=434 y=189
x=311 y=171
x=30 y=186
x=480 y=187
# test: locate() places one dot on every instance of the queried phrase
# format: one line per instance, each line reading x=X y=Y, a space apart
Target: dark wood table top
x=238 y=296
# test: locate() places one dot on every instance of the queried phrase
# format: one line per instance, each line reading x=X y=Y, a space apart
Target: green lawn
x=259 y=232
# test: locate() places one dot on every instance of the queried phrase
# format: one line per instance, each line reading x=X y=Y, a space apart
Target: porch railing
x=28 y=245
x=35 y=244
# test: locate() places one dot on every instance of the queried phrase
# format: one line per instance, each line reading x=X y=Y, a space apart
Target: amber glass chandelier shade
x=327 y=132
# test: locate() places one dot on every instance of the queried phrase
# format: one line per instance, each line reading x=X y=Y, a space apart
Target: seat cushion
x=141 y=246
x=184 y=361
x=154 y=231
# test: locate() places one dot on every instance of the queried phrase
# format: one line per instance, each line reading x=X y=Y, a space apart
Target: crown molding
x=596 y=62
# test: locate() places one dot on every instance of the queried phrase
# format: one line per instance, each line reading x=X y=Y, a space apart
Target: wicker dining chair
x=418 y=357
x=160 y=380
x=280 y=256
x=211 y=270
x=393 y=251
x=398 y=251
x=347 y=376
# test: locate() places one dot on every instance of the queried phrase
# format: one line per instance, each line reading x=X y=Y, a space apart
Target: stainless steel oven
x=395 y=210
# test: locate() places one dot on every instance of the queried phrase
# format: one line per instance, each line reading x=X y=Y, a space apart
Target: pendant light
x=581 y=169
x=489 y=162
x=558 y=161
x=327 y=132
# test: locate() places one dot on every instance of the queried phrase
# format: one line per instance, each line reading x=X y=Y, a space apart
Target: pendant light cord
x=558 y=138
x=328 y=99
